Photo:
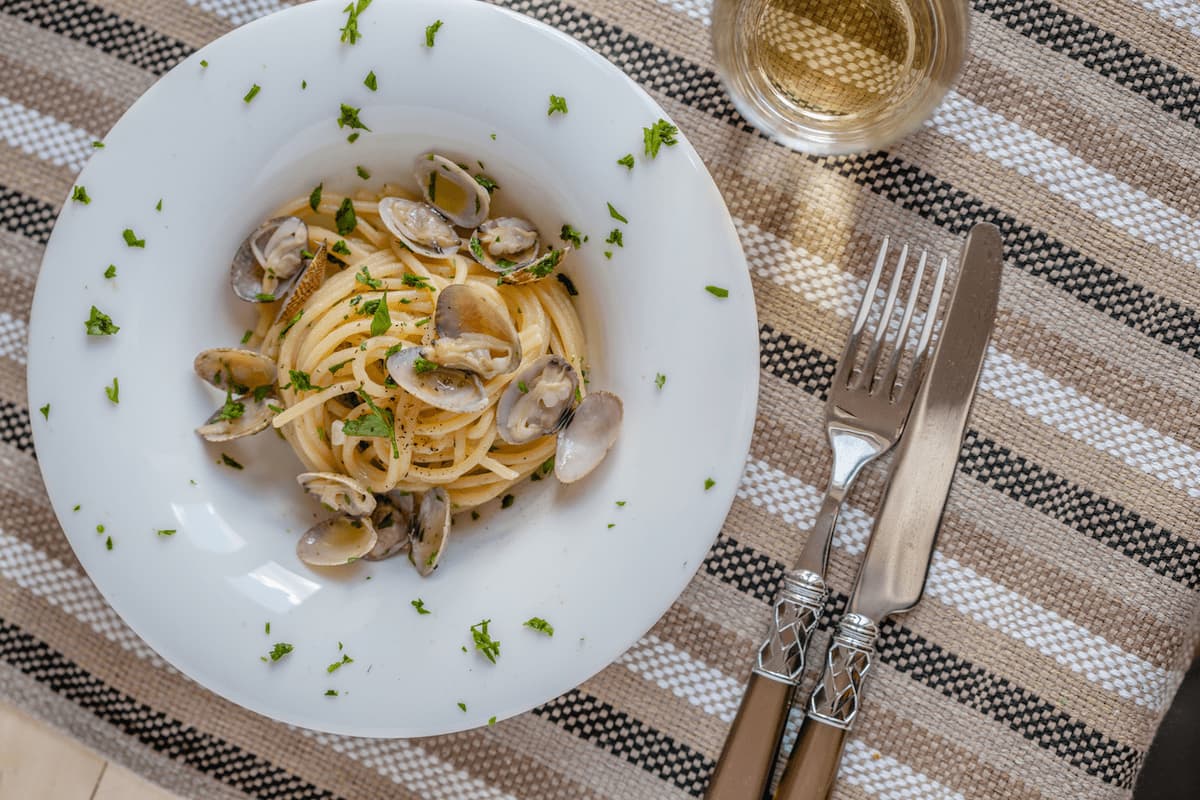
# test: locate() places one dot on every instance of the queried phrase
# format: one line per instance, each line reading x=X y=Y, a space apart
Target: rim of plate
x=200 y=600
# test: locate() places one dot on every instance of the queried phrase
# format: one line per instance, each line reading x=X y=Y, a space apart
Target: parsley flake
x=345 y=217
x=431 y=32
x=301 y=380
x=333 y=368
x=80 y=195
x=77 y=507
x=204 y=63
x=382 y=321
x=487 y=183
x=484 y=643
x=229 y=462
x=362 y=172
x=232 y=408
x=352 y=138
x=99 y=529
x=335 y=666
x=331 y=692
x=507 y=501
x=363 y=276
x=462 y=707
x=45 y=411
x=108 y=543
x=111 y=272
x=717 y=291
x=558 y=104
x=340 y=247
x=113 y=392
x=491 y=721
x=419 y=605
x=658 y=134
x=350 y=32
x=131 y=238
x=612 y=212
x=280 y=650
x=170 y=532
x=415 y=281
x=626 y=161
x=423 y=365
x=158 y=205
x=314 y=198
x=98 y=145
x=267 y=627
x=660 y=380
x=246 y=336
x=616 y=237
x=371 y=82
x=540 y=625
x=250 y=95
x=571 y=235
x=349 y=118
x=568 y=283
x=709 y=483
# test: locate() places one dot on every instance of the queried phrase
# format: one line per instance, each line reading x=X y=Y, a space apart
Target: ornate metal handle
x=813 y=764
x=797 y=611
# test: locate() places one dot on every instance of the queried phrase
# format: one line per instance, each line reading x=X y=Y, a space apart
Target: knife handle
x=813 y=764
x=744 y=770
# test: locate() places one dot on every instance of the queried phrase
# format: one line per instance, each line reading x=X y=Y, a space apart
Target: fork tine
x=866 y=378
x=899 y=344
x=922 y=352
x=845 y=367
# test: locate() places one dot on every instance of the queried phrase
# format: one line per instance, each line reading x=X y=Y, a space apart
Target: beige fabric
x=1062 y=607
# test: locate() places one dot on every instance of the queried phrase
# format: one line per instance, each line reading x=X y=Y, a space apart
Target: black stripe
x=1100 y=51
x=912 y=188
x=14 y=426
x=1014 y=476
x=25 y=215
x=993 y=696
x=200 y=751
x=595 y=721
x=103 y=30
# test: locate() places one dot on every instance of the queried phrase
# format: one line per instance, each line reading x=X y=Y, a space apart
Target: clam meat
x=420 y=226
x=474 y=332
x=269 y=259
x=505 y=244
x=538 y=401
x=235 y=369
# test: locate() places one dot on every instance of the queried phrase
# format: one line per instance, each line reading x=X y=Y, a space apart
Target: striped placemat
x=1062 y=605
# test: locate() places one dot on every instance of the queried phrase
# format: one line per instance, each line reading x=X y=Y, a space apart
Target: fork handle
x=744 y=770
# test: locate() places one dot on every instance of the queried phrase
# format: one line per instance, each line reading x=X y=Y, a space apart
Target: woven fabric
x=1061 y=608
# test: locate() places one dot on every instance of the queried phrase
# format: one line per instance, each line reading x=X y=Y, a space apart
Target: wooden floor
x=38 y=763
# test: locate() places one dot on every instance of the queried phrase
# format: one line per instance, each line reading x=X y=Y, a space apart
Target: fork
x=864 y=417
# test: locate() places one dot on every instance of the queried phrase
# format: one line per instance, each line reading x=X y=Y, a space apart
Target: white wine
x=838 y=75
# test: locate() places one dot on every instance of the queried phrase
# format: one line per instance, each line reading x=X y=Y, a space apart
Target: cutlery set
x=896 y=394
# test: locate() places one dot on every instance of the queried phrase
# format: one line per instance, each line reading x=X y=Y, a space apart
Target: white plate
x=201 y=598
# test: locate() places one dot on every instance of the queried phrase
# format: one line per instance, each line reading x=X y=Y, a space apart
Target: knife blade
x=894 y=569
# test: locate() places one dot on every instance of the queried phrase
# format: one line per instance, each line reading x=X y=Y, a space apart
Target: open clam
x=392 y=521
x=337 y=540
x=442 y=387
x=338 y=492
x=451 y=190
x=269 y=260
x=431 y=530
x=475 y=332
x=543 y=267
x=420 y=226
x=244 y=416
x=587 y=436
x=505 y=244
x=538 y=401
x=235 y=368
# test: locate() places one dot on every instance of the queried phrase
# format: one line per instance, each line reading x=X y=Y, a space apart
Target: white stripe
x=1067 y=175
x=1068 y=643
x=1027 y=388
x=62 y=586
x=239 y=12
x=1181 y=13
x=44 y=137
x=696 y=9
x=888 y=779
x=14 y=337
x=411 y=766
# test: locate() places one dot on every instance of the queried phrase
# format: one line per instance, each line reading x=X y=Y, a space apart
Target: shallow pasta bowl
x=599 y=572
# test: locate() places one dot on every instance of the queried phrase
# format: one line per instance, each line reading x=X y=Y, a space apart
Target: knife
x=892 y=576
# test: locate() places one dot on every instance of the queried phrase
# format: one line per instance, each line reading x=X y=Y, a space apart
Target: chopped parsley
x=352 y=138
x=303 y=84
x=660 y=380
x=658 y=134
x=608 y=254
x=77 y=507
x=350 y=33
x=345 y=217
x=158 y=205
x=99 y=529
x=111 y=272
x=491 y=721
x=108 y=543
x=263 y=297
x=301 y=380
x=415 y=281
x=331 y=692
x=612 y=212
x=422 y=365
x=717 y=291
x=340 y=247
x=612 y=525
x=45 y=411
x=364 y=277
x=621 y=504
x=98 y=145
x=250 y=95
x=626 y=161
x=484 y=643
x=232 y=408
x=568 y=283
x=474 y=514
x=280 y=650
x=79 y=195
x=709 y=483
x=546 y=264
x=362 y=172
x=539 y=624
x=171 y=532
x=314 y=198
x=113 y=392
x=333 y=368
x=382 y=321
x=131 y=238
x=267 y=628
x=204 y=63
x=523 y=387
x=558 y=104
x=349 y=118
x=507 y=501
x=246 y=336
x=391 y=351
x=335 y=666
x=431 y=32
x=371 y=82
x=487 y=183
x=462 y=707
x=571 y=235
x=419 y=605
x=378 y=423
x=616 y=237
x=228 y=461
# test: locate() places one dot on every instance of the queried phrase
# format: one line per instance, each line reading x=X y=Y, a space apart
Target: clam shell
x=420 y=226
x=451 y=190
x=337 y=540
x=444 y=388
x=271 y=254
x=255 y=417
x=475 y=332
x=543 y=407
x=392 y=521
x=431 y=530
x=247 y=369
x=338 y=492
x=586 y=438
